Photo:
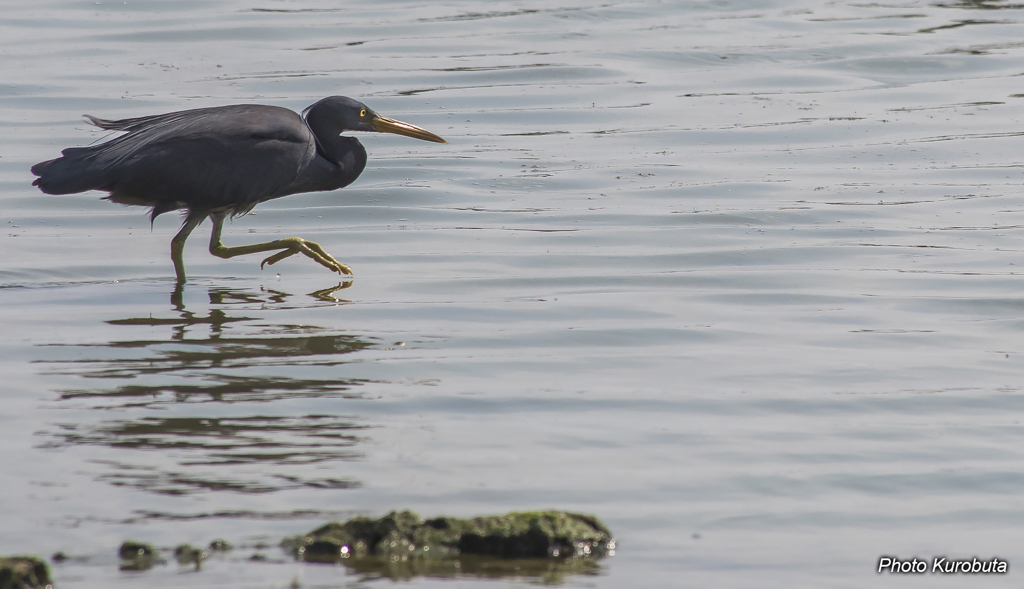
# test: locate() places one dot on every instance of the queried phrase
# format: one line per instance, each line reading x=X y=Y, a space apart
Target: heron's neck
x=346 y=153
x=334 y=148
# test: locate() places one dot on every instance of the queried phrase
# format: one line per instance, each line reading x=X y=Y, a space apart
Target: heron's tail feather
x=75 y=171
x=80 y=168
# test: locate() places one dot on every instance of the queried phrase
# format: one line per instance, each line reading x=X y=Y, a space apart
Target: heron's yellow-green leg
x=178 y=244
x=289 y=246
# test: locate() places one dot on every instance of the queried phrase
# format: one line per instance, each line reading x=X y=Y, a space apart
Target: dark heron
x=220 y=161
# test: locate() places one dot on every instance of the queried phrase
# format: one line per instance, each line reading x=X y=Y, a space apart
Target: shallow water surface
x=739 y=278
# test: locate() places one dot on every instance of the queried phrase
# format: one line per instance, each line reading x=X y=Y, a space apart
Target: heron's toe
x=278 y=257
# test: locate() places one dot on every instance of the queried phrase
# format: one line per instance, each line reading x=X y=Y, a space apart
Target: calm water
x=741 y=278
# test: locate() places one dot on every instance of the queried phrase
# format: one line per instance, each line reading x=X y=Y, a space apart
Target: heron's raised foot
x=288 y=246
x=297 y=245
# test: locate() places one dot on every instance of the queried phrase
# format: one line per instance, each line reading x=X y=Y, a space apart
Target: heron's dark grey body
x=227 y=158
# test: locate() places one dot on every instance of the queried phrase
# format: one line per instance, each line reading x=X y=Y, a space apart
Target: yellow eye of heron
x=362 y=113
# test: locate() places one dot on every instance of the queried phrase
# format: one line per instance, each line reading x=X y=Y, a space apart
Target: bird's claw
x=312 y=250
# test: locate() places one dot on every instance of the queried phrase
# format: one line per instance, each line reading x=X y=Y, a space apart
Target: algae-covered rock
x=24 y=572
x=402 y=536
x=131 y=549
x=187 y=554
x=137 y=556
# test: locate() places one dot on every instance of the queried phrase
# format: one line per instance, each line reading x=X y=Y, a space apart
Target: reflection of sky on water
x=217 y=366
x=218 y=356
x=207 y=444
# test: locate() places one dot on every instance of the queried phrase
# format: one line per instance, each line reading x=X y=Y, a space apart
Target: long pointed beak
x=386 y=125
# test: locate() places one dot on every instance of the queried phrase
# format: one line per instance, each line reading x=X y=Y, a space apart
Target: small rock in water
x=59 y=557
x=24 y=572
x=186 y=554
x=137 y=556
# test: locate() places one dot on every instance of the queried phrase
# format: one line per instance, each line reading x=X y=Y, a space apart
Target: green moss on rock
x=132 y=549
x=187 y=554
x=137 y=556
x=24 y=572
x=401 y=536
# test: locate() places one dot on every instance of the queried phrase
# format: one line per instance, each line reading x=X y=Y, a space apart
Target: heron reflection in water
x=221 y=161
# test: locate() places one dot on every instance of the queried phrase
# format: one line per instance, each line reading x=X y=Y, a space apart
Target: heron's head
x=336 y=114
